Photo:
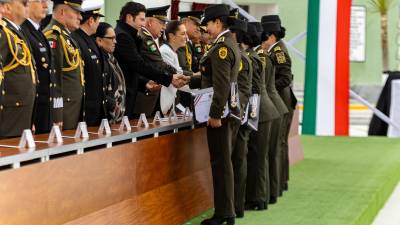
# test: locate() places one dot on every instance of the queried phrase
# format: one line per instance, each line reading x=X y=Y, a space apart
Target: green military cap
x=213 y=12
x=160 y=13
x=271 y=26
x=271 y=18
x=92 y=7
x=75 y=4
x=193 y=15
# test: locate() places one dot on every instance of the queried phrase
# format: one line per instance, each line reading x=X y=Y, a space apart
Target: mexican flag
x=326 y=91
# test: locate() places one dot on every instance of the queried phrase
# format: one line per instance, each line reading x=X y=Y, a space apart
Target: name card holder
x=157 y=118
x=104 y=128
x=81 y=131
x=27 y=140
x=125 y=125
x=172 y=115
x=55 y=135
x=142 y=122
x=186 y=114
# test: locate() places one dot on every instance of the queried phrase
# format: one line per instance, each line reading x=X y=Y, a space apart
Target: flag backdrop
x=326 y=91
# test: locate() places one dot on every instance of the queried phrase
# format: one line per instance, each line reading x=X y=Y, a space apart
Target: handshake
x=178 y=81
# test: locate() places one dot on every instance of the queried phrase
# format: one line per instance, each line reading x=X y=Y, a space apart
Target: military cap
x=158 y=12
x=252 y=29
x=215 y=11
x=257 y=25
x=234 y=13
x=75 y=4
x=193 y=15
x=92 y=7
x=239 y=25
x=271 y=26
x=271 y=18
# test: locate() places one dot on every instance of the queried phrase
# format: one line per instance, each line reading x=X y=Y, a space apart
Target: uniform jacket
x=95 y=78
x=69 y=74
x=219 y=68
x=46 y=95
x=18 y=87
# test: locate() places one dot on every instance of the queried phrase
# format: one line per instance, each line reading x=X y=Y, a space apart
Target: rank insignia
x=223 y=52
x=280 y=57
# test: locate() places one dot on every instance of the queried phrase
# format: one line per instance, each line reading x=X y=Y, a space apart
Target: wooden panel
x=172 y=169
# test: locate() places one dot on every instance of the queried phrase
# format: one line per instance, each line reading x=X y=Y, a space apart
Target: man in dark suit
x=19 y=83
x=128 y=54
x=46 y=110
x=95 y=78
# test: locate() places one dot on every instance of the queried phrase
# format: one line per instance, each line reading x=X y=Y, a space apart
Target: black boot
x=261 y=205
x=273 y=200
x=239 y=214
x=216 y=220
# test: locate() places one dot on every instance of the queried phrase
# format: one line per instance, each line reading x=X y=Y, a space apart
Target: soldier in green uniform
x=219 y=68
x=68 y=64
x=239 y=155
x=284 y=81
x=18 y=76
x=156 y=18
x=258 y=190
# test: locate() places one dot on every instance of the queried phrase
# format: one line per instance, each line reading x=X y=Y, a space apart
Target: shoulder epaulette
x=261 y=51
x=277 y=48
x=221 y=39
x=56 y=28
x=146 y=33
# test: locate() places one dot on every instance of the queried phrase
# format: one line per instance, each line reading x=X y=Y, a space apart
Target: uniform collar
x=220 y=34
x=13 y=24
x=272 y=46
x=35 y=25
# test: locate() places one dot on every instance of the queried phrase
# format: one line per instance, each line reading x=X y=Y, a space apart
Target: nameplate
x=81 y=131
x=125 y=125
x=104 y=128
x=55 y=135
x=143 y=121
x=27 y=140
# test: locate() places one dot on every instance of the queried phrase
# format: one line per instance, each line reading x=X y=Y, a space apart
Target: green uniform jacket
x=270 y=82
x=245 y=79
x=283 y=72
x=219 y=68
x=68 y=66
x=268 y=110
x=18 y=86
x=185 y=60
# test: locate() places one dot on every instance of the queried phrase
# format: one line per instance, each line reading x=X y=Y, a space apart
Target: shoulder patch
x=277 y=48
x=261 y=51
x=280 y=57
x=263 y=60
x=153 y=47
x=221 y=39
x=222 y=52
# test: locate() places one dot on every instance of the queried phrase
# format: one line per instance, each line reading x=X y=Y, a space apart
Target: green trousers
x=220 y=145
x=239 y=161
x=275 y=157
x=257 y=189
x=286 y=124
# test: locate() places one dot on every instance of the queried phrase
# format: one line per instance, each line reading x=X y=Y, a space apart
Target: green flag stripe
x=311 y=79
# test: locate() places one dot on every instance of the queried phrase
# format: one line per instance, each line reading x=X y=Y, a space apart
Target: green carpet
x=342 y=181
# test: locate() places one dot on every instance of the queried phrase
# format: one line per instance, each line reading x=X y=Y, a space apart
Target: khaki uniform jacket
x=18 y=83
x=68 y=66
x=219 y=68
x=268 y=110
x=283 y=72
x=270 y=82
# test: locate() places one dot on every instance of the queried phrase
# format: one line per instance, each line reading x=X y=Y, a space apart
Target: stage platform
x=342 y=181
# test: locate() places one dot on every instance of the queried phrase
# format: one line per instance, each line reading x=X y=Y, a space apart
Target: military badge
x=280 y=57
x=153 y=48
x=223 y=52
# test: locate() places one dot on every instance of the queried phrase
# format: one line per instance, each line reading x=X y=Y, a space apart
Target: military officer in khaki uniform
x=156 y=18
x=68 y=64
x=284 y=81
x=239 y=159
x=18 y=77
x=219 y=68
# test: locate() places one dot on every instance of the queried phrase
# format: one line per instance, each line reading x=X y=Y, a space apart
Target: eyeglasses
x=113 y=38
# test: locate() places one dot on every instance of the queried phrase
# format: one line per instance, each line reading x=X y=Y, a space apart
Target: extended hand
x=153 y=86
x=180 y=80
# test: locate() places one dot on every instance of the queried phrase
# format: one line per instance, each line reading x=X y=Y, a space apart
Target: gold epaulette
x=54 y=29
x=261 y=51
x=221 y=39
x=277 y=48
x=146 y=33
x=3 y=23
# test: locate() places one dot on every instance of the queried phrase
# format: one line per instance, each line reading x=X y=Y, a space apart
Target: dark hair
x=172 y=28
x=226 y=21
x=102 y=29
x=86 y=17
x=251 y=40
x=239 y=35
x=132 y=8
x=282 y=33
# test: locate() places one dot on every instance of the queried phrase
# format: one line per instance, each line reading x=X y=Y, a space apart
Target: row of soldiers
x=250 y=167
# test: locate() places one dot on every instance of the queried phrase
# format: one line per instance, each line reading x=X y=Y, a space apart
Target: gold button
x=51 y=85
x=104 y=88
x=43 y=59
x=1 y=107
x=37 y=95
x=68 y=99
x=17 y=103
x=3 y=92
x=90 y=50
x=55 y=85
x=51 y=99
x=103 y=102
x=97 y=61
